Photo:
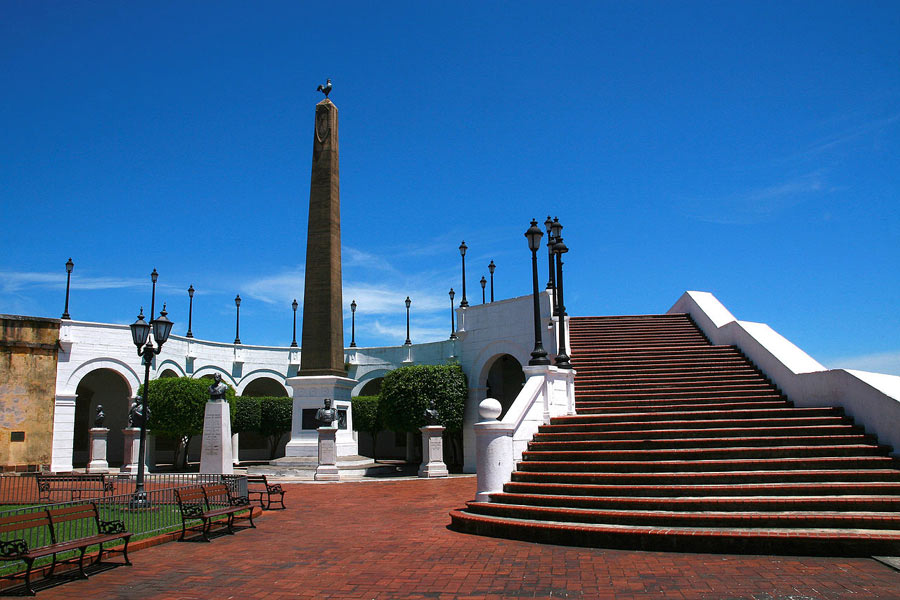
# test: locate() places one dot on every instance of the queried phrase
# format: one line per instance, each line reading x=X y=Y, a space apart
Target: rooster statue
x=325 y=88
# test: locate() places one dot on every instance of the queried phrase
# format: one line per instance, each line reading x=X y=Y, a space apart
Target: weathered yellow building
x=29 y=348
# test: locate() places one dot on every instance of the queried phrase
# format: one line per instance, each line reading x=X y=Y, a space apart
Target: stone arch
x=127 y=373
x=264 y=382
x=504 y=380
x=107 y=387
x=169 y=368
x=209 y=370
x=368 y=380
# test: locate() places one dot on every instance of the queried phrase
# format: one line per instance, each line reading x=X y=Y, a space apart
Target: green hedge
x=274 y=419
x=406 y=393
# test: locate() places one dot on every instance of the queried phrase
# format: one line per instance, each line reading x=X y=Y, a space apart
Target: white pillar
x=131 y=436
x=63 y=432
x=493 y=450
x=98 y=462
x=215 y=452
x=433 y=452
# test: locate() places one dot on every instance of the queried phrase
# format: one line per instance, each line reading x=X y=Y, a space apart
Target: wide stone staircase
x=681 y=445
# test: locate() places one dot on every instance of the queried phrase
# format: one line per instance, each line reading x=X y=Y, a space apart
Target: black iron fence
x=161 y=516
x=27 y=489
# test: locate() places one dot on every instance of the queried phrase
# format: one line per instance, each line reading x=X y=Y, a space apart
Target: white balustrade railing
x=548 y=392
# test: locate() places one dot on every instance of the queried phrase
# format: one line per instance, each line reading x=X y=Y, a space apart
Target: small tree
x=274 y=419
x=177 y=406
x=367 y=417
x=406 y=393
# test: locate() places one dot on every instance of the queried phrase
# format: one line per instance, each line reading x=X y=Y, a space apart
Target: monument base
x=132 y=439
x=327 y=469
x=309 y=396
x=433 y=452
x=98 y=463
x=215 y=453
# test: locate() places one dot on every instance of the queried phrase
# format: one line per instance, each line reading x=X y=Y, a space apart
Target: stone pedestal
x=215 y=453
x=131 y=436
x=98 y=464
x=309 y=394
x=327 y=469
x=433 y=452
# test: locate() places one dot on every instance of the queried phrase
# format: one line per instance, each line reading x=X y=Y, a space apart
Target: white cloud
x=757 y=205
x=13 y=281
x=275 y=289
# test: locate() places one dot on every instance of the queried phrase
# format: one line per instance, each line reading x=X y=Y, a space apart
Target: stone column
x=215 y=453
x=327 y=469
x=98 y=462
x=63 y=433
x=235 y=448
x=494 y=450
x=433 y=452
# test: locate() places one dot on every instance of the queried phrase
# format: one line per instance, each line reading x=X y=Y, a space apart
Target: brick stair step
x=871 y=503
x=792 y=519
x=757 y=384
x=539 y=444
x=591 y=423
x=698 y=460
x=745 y=413
x=722 y=392
x=776 y=490
x=705 y=454
x=709 y=477
x=590 y=406
x=545 y=433
x=824 y=541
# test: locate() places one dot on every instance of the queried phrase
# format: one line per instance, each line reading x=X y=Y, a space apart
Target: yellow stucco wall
x=28 y=358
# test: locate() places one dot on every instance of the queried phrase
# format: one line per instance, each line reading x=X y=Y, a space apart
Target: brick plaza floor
x=389 y=539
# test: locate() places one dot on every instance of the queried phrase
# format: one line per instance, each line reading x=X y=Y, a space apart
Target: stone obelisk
x=322 y=374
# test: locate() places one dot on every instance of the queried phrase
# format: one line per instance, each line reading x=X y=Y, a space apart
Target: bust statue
x=217 y=389
x=136 y=415
x=327 y=415
x=431 y=414
x=99 y=416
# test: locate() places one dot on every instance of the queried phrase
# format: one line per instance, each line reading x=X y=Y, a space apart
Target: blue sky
x=746 y=149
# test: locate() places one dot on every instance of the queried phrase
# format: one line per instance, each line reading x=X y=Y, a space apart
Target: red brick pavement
x=389 y=539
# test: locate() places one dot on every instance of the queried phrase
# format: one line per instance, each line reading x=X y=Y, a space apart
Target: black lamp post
x=237 y=323
x=538 y=355
x=491 y=268
x=69 y=266
x=453 y=335
x=562 y=359
x=408 y=302
x=462 y=252
x=548 y=225
x=555 y=235
x=153 y=277
x=140 y=335
x=190 y=334
x=294 y=306
x=353 y=324
x=483 y=283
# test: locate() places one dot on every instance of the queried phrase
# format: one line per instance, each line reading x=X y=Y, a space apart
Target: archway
x=505 y=380
x=166 y=373
x=264 y=386
x=371 y=387
x=109 y=388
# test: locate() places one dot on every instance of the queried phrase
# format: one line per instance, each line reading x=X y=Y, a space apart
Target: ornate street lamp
x=353 y=324
x=69 y=266
x=462 y=252
x=548 y=225
x=453 y=335
x=190 y=334
x=555 y=235
x=140 y=335
x=491 y=268
x=153 y=277
x=237 y=323
x=294 y=306
x=483 y=283
x=562 y=359
x=538 y=355
x=408 y=302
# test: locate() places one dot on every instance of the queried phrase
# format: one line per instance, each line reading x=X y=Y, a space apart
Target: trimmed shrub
x=246 y=418
x=274 y=419
x=407 y=391
x=367 y=417
x=177 y=406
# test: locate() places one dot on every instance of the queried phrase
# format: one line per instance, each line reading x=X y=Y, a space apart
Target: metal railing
x=22 y=489
x=162 y=515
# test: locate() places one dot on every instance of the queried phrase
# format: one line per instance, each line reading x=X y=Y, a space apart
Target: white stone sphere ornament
x=490 y=409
